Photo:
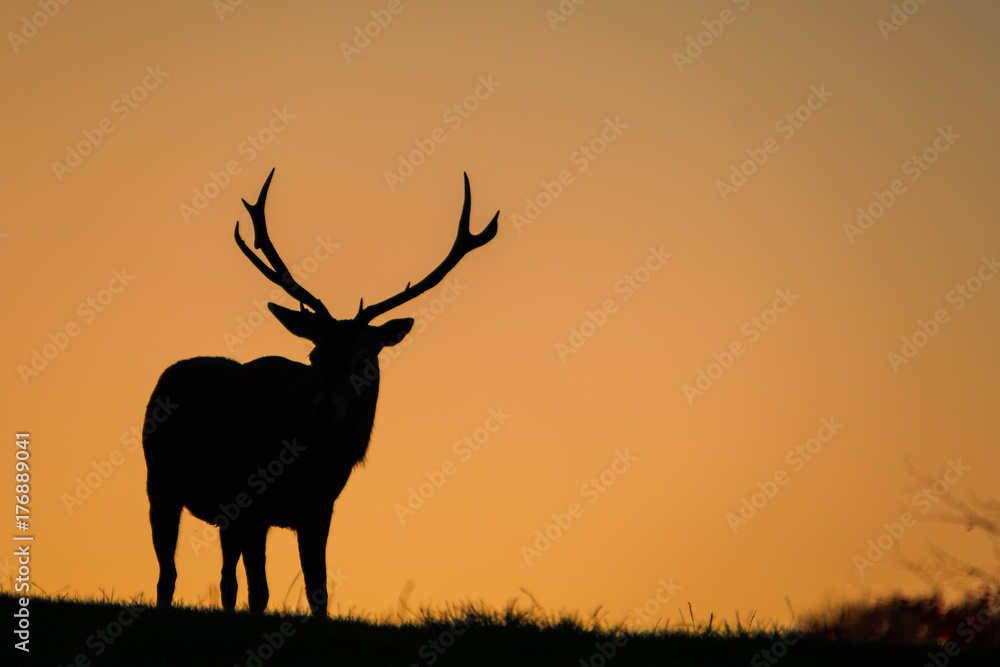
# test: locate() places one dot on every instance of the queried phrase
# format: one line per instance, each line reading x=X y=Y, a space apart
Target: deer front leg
x=164 y=518
x=312 y=539
x=253 y=541
x=230 y=541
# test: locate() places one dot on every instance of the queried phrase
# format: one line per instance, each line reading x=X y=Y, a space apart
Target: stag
x=272 y=442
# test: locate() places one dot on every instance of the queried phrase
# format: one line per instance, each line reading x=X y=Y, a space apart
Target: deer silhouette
x=272 y=442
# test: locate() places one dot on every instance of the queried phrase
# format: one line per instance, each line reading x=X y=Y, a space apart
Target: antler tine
x=465 y=243
x=279 y=274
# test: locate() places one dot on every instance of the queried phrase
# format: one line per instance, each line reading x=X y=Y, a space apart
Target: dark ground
x=70 y=632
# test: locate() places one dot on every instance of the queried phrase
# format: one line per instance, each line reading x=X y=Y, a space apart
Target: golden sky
x=744 y=271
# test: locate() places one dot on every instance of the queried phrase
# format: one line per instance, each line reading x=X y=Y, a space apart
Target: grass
x=972 y=621
x=893 y=631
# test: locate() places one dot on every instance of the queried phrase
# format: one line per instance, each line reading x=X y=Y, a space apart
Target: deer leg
x=312 y=539
x=230 y=540
x=165 y=520
x=253 y=540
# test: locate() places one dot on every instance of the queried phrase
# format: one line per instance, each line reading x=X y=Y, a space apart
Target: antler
x=465 y=243
x=279 y=274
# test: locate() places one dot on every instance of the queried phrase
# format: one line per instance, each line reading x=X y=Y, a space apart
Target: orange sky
x=682 y=307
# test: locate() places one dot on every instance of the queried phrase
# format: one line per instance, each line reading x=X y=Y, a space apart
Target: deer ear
x=393 y=331
x=301 y=323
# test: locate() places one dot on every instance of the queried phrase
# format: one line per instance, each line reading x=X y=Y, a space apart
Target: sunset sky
x=744 y=273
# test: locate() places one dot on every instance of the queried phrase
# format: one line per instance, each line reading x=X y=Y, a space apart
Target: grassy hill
x=85 y=633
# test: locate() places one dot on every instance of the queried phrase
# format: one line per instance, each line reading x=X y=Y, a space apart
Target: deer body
x=272 y=442
x=284 y=449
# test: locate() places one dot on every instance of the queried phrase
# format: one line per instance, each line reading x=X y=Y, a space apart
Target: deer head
x=347 y=349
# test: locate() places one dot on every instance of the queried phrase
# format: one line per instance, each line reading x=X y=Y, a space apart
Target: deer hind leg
x=230 y=540
x=312 y=554
x=165 y=520
x=253 y=540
